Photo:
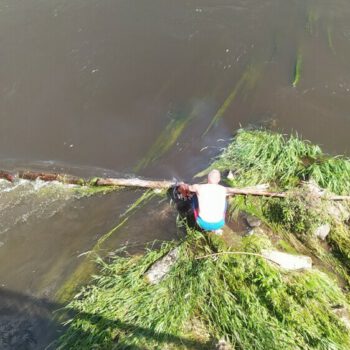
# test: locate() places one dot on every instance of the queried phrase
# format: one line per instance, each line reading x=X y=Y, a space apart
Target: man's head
x=214 y=177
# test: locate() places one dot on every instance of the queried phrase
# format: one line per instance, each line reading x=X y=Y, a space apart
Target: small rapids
x=25 y=200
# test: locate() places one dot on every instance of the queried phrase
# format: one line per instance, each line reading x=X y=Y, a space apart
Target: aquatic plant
x=246 y=83
x=312 y=21
x=87 y=267
x=330 y=39
x=167 y=139
x=297 y=69
x=240 y=298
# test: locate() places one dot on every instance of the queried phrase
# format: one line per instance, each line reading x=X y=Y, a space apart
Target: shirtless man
x=209 y=202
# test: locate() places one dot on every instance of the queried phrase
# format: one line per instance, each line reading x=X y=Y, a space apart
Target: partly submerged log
x=141 y=183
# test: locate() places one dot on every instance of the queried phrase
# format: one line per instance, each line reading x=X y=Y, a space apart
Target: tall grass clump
x=260 y=156
x=241 y=298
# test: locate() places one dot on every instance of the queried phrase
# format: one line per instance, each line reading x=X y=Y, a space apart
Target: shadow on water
x=26 y=323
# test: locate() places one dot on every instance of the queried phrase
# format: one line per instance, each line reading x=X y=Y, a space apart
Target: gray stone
x=338 y=211
x=161 y=267
x=255 y=231
x=230 y=175
x=252 y=221
x=322 y=231
x=223 y=345
x=288 y=261
x=343 y=314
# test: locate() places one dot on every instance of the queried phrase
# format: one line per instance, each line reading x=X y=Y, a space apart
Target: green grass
x=239 y=297
x=261 y=156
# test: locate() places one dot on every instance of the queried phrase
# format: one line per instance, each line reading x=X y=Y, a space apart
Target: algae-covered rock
x=160 y=268
x=288 y=261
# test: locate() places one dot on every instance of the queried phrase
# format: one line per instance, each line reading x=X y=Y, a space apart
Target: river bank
x=241 y=299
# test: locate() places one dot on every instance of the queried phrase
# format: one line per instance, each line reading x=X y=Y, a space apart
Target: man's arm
x=193 y=188
x=186 y=190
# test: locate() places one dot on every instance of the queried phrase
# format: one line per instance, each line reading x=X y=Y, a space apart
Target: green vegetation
x=87 y=267
x=297 y=69
x=260 y=156
x=241 y=298
x=246 y=83
x=167 y=139
x=330 y=39
x=312 y=22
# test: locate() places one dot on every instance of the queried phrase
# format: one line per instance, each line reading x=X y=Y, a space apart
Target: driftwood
x=139 y=183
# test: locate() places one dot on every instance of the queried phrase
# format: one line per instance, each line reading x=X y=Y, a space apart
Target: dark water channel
x=114 y=87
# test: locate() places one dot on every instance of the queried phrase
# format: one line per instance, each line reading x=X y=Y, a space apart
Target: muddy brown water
x=118 y=87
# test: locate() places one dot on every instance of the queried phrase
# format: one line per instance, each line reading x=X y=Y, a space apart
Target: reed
x=237 y=297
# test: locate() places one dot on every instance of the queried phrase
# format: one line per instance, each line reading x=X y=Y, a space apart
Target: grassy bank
x=239 y=297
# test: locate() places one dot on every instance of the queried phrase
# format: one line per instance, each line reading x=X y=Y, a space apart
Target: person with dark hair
x=209 y=202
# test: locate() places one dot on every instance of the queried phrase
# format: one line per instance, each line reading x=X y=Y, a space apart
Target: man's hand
x=184 y=190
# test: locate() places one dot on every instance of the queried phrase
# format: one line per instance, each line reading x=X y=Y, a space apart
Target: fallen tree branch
x=140 y=183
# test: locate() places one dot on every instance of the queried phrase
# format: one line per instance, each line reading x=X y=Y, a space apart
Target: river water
x=156 y=88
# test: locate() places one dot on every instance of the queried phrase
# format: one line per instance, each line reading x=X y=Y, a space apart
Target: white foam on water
x=24 y=200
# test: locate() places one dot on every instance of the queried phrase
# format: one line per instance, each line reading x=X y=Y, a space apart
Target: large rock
x=322 y=231
x=252 y=221
x=343 y=314
x=161 y=267
x=338 y=211
x=288 y=261
x=223 y=345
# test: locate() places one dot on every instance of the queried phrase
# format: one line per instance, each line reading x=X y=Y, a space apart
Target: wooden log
x=140 y=183
x=68 y=179
x=254 y=192
x=135 y=182
x=6 y=176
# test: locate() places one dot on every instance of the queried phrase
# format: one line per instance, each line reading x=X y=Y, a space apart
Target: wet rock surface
x=252 y=221
x=159 y=270
x=343 y=314
x=223 y=345
x=288 y=261
x=322 y=231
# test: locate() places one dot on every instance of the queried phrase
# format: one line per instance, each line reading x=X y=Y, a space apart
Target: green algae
x=330 y=39
x=246 y=83
x=166 y=140
x=312 y=22
x=297 y=69
x=87 y=267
